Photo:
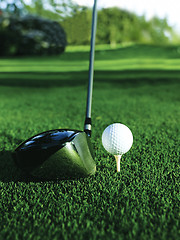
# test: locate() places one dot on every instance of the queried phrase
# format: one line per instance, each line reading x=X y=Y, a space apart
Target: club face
x=59 y=153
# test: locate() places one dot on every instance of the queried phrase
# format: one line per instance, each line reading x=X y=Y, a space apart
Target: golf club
x=62 y=153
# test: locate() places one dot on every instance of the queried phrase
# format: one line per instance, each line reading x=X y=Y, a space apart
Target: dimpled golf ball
x=117 y=139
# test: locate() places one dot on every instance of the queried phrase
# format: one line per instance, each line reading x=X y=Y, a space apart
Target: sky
x=161 y=8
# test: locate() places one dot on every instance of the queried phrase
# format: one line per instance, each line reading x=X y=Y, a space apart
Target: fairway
x=137 y=85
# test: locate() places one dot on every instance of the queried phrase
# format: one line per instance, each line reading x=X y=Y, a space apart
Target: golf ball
x=117 y=139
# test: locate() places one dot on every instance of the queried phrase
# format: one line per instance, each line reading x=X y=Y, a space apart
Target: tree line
x=115 y=25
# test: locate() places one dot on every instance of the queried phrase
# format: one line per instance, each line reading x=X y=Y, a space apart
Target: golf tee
x=118 y=160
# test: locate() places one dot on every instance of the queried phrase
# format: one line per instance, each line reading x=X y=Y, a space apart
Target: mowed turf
x=138 y=86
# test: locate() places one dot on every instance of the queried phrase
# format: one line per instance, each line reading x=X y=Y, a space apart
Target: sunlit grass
x=77 y=59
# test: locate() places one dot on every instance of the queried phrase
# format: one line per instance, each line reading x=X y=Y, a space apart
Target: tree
x=160 y=30
x=14 y=7
x=52 y=9
x=78 y=27
x=30 y=35
x=117 y=26
x=114 y=24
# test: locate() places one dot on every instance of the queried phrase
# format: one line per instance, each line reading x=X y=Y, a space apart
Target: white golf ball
x=117 y=139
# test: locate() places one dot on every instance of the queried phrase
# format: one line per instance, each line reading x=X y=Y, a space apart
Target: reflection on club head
x=59 y=153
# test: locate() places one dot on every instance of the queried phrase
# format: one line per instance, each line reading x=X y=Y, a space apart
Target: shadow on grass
x=63 y=79
x=9 y=172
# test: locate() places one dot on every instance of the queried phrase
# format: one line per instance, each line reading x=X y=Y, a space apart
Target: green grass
x=135 y=85
x=123 y=58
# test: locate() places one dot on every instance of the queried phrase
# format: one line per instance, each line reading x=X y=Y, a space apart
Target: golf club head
x=59 y=153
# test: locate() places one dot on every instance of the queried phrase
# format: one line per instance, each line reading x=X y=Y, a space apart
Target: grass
x=123 y=58
x=134 y=85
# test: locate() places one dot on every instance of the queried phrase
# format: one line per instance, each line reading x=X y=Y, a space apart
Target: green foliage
x=157 y=31
x=52 y=9
x=78 y=28
x=15 y=7
x=116 y=26
x=142 y=202
x=30 y=35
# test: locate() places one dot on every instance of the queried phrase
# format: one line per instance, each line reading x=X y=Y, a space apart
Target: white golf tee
x=118 y=160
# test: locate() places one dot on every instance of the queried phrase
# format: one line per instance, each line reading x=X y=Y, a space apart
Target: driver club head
x=54 y=154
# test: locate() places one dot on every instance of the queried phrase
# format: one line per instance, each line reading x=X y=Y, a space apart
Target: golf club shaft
x=87 y=126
